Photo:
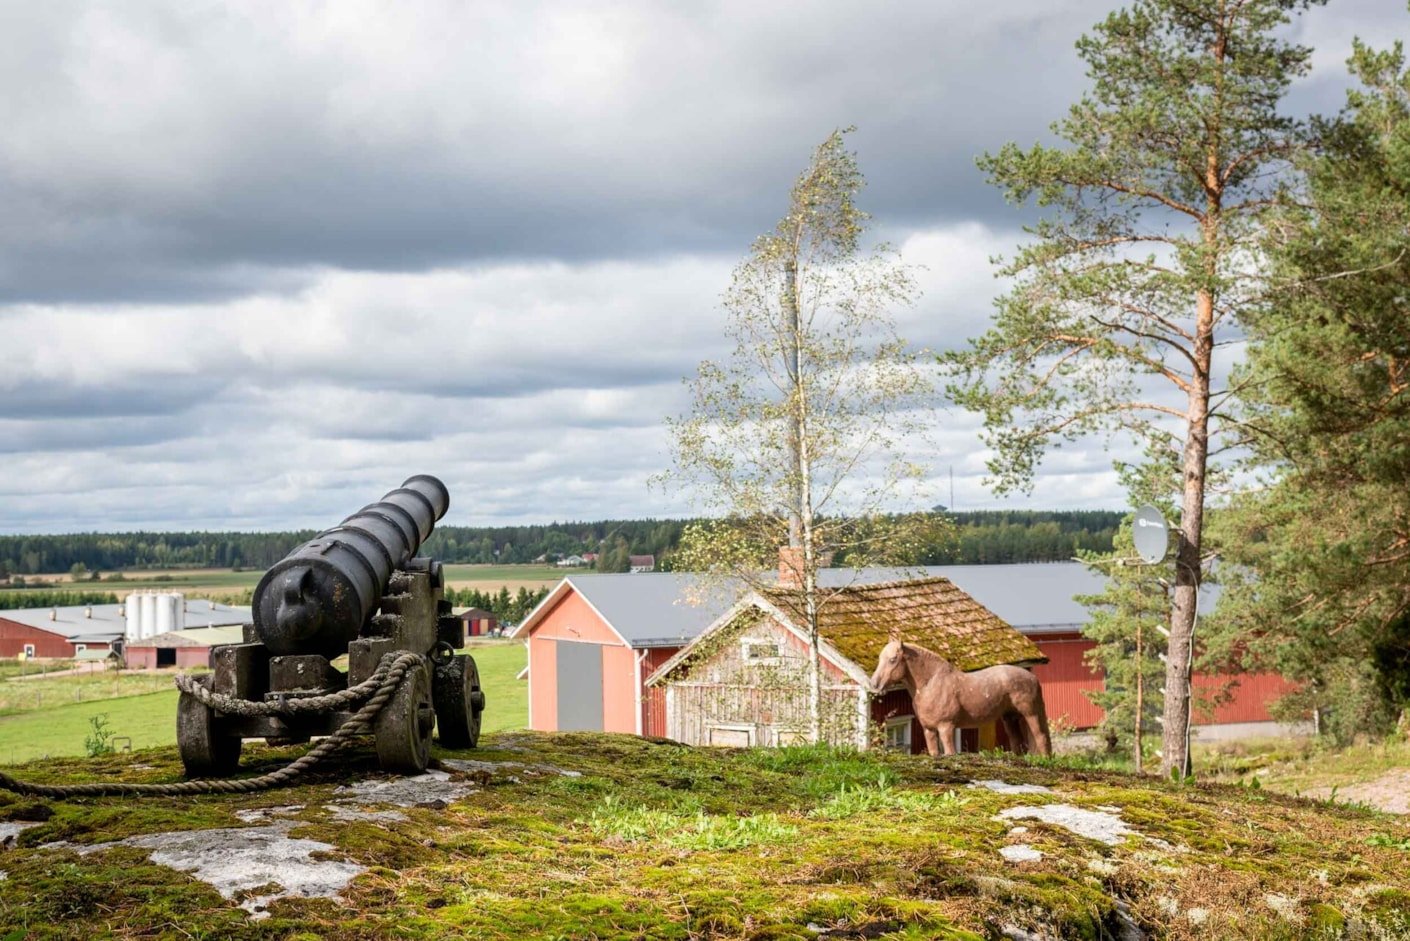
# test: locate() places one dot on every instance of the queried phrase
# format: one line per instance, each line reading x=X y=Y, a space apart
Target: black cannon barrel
x=318 y=597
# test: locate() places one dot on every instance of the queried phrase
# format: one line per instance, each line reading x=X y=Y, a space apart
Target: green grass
x=148 y=720
x=11 y=668
x=54 y=725
x=1296 y=766
x=506 y=698
x=18 y=696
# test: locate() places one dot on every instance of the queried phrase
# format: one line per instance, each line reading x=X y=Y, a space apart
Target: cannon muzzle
x=316 y=600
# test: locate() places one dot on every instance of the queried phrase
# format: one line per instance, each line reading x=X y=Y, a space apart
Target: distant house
x=478 y=621
x=571 y=562
x=590 y=558
x=642 y=563
x=743 y=681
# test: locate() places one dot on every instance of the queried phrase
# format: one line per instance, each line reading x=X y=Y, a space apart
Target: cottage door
x=579 y=687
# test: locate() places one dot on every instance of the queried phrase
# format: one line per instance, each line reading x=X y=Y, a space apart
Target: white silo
x=166 y=612
x=149 y=614
x=131 y=609
x=178 y=611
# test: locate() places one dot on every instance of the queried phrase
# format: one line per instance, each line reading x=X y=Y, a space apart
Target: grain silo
x=165 y=605
x=149 y=614
x=132 y=610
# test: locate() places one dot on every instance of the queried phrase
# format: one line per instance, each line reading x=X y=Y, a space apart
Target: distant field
x=46 y=728
x=226 y=581
x=513 y=577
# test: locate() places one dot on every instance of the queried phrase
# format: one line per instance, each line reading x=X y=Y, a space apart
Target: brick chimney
x=790 y=566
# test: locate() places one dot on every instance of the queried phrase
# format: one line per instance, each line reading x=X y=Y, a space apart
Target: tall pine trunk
x=1179 y=664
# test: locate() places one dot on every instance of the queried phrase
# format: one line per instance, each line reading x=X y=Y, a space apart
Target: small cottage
x=744 y=680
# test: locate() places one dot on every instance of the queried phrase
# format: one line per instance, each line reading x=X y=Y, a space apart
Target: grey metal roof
x=665 y=609
x=656 y=609
x=70 y=621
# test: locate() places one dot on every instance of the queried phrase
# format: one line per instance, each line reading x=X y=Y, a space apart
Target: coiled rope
x=381 y=686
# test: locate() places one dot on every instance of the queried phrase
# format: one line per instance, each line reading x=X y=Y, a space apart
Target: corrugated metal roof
x=657 y=609
x=70 y=621
x=194 y=637
x=665 y=609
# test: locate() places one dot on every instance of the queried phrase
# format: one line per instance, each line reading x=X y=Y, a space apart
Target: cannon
x=360 y=590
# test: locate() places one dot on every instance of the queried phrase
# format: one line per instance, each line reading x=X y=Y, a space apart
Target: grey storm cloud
x=260 y=259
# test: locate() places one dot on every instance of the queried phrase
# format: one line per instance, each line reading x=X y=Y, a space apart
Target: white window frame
x=79 y=648
x=749 y=642
x=748 y=730
x=29 y=651
x=904 y=724
x=795 y=736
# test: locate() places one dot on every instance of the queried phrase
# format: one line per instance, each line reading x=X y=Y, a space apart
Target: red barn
x=60 y=633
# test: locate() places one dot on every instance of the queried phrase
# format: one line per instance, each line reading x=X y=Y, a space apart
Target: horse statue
x=945 y=698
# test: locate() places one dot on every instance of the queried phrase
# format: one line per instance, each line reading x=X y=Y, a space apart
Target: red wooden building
x=18 y=639
x=641 y=621
x=478 y=622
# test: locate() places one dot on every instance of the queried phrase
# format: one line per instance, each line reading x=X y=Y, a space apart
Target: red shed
x=478 y=622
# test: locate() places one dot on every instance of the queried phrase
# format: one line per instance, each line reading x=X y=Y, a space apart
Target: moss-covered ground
x=657 y=840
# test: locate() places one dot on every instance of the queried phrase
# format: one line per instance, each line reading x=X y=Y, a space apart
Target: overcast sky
x=259 y=261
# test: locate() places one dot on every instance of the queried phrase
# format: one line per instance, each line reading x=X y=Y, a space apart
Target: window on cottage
x=731 y=736
x=898 y=733
x=28 y=651
x=760 y=650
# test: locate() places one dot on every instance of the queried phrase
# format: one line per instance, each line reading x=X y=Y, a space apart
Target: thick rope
x=328 y=702
x=391 y=672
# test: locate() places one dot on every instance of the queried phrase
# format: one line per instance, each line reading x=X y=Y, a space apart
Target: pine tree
x=1130 y=618
x=1328 y=539
x=1145 y=260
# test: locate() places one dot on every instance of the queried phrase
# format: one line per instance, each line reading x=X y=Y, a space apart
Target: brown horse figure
x=945 y=698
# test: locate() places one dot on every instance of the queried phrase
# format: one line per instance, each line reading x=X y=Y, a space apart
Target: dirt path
x=1389 y=792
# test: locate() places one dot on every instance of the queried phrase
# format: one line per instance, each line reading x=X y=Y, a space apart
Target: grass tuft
x=884 y=797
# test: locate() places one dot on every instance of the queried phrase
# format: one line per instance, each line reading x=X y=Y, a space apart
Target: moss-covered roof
x=932 y=612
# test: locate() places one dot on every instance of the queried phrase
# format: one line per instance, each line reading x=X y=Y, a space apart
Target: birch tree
x=796 y=439
x=1144 y=260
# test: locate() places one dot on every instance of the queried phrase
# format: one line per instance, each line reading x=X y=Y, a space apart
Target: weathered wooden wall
x=726 y=699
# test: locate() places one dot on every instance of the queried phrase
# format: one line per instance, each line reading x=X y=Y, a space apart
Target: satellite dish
x=1151 y=535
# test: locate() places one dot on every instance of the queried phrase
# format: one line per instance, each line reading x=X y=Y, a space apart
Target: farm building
x=744 y=679
x=615 y=631
x=642 y=563
x=478 y=622
x=60 y=633
x=188 y=647
x=65 y=632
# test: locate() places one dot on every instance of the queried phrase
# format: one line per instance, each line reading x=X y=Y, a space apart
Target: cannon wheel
x=402 y=729
x=205 y=750
x=459 y=702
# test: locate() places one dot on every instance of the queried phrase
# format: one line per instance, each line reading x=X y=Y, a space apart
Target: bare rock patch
x=263 y=861
x=1096 y=825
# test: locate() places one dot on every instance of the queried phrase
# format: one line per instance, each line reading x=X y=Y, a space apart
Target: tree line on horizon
x=982 y=537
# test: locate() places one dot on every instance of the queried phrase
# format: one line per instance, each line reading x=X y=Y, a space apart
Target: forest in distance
x=974 y=538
